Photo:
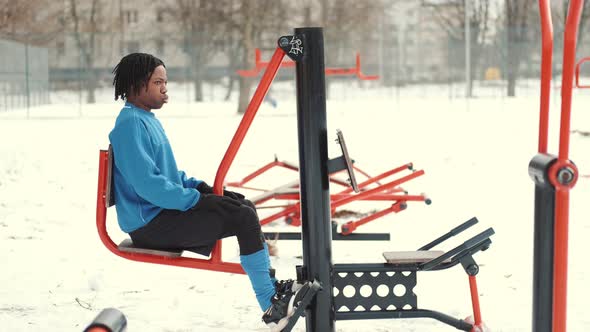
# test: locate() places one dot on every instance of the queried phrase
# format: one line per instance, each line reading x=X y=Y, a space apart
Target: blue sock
x=256 y=268
x=267 y=256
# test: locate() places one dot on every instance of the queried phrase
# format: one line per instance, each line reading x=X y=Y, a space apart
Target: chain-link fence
x=24 y=75
x=411 y=60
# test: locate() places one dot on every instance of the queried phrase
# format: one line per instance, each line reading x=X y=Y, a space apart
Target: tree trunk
x=244 y=96
x=511 y=71
x=196 y=66
x=91 y=97
x=91 y=80
x=245 y=83
x=198 y=86
x=511 y=84
x=198 y=83
x=511 y=63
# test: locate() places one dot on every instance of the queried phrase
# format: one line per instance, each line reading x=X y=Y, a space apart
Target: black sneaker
x=283 y=305
x=284 y=286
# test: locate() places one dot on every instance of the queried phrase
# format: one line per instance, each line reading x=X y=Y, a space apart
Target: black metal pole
x=543 y=243
x=313 y=161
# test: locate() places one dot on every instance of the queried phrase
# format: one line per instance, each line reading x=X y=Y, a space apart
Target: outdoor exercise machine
x=329 y=298
x=335 y=301
x=290 y=191
x=554 y=176
x=371 y=189
x=259 y=65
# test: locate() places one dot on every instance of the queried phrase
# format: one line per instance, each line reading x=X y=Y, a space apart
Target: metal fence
x=24 y=75
x=411 y=61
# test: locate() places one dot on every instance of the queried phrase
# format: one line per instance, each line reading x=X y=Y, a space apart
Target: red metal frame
x=351 y=226
x=562 y=194
x=215 y=262
x=562 y=191
x=371 y=190
x=101 y=214
x=578 y=85
x=97 y=329
x=245 y=123
x=259 y=65
x=475 y=302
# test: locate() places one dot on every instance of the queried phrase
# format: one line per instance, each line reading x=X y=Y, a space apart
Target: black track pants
x=197 y=229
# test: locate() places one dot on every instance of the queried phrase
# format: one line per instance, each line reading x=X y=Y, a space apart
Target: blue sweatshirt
x=147 y=179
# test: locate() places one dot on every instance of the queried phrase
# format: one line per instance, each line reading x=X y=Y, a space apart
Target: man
x=161 y=208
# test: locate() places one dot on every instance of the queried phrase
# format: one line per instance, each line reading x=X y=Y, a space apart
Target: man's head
x=141 y=79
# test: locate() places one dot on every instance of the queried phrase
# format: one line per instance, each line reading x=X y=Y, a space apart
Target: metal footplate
x=314 y=288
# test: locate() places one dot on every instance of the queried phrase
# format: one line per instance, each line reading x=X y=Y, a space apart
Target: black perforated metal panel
x=374 y=291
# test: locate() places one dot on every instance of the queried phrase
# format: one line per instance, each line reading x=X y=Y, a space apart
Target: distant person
x=161 y=208
x=271 y=100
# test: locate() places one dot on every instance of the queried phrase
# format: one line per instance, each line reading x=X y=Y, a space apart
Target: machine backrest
x=109 y=192
x=348 y=161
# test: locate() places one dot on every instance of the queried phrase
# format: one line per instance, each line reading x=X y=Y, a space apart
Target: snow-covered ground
x=56 y=275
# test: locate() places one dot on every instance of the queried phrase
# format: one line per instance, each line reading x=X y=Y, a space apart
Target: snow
x=57 y=275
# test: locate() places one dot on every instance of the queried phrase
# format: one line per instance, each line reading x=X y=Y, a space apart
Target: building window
x=130 y=16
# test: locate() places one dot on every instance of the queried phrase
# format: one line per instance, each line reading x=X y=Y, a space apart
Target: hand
x=204 y=188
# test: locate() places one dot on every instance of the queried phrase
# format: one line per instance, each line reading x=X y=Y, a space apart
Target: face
x=154 y=95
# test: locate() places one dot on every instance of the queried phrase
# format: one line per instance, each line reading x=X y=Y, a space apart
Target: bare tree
x=33 y=22
x=517 y=19
x=450 y=16
x=251 y=24
x=234 y=54
x=561 y=14
x=583 y=34
x=203 y=31
x=13 y=16
x=90 y=23
x=258 y=24
x=349 y=26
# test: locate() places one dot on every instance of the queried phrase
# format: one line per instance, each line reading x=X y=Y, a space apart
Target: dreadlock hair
x=133 y=71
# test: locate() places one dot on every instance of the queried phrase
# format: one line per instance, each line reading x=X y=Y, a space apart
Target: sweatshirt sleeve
x=134 y=159
x=188 y=182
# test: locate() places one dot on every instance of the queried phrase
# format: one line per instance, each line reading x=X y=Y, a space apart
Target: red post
x=247 y=119
x=475 y=300
x=562 y=194
x=238 y=138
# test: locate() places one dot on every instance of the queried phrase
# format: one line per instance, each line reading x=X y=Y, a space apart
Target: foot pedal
x=314 y=288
